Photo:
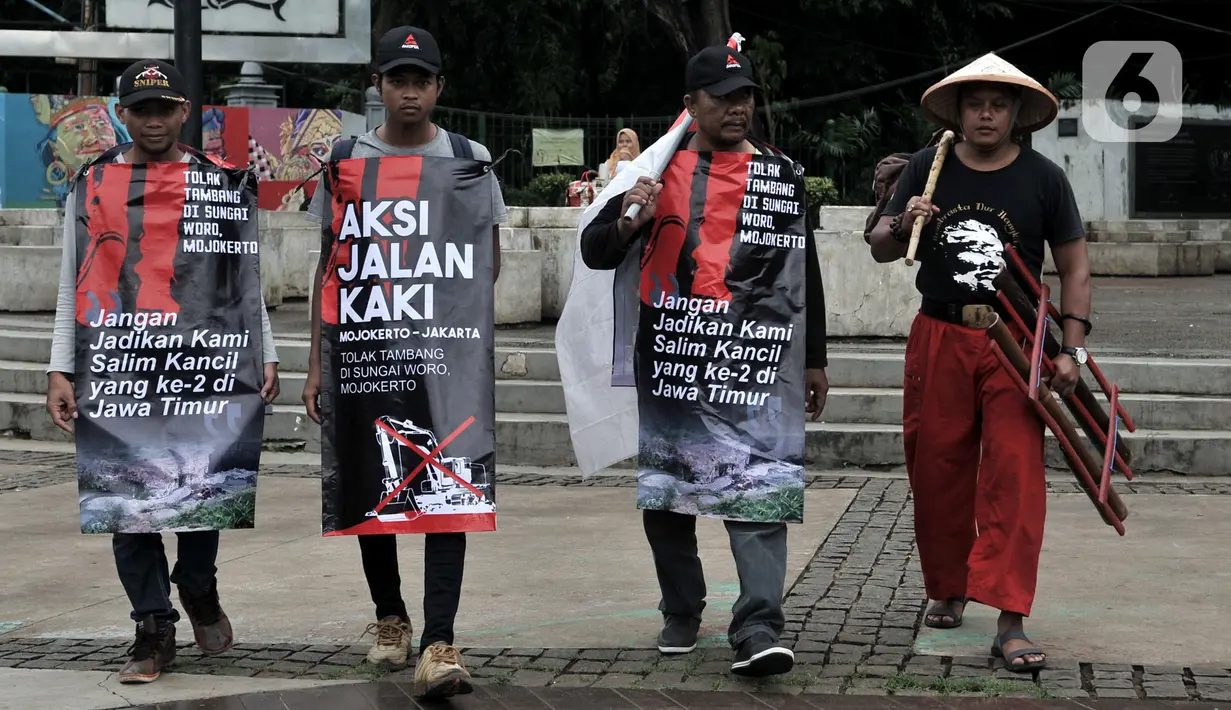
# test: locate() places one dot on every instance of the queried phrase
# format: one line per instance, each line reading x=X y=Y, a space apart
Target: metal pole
x=188 y=62
x=87 y=69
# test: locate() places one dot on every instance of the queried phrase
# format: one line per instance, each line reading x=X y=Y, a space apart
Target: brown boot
x=210 y=625
x=440 y=673
x=151 y=652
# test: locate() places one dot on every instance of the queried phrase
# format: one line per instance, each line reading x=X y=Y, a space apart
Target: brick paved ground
x=852 y=618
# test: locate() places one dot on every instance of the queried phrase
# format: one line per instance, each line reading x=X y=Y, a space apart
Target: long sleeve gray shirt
x=62 y=355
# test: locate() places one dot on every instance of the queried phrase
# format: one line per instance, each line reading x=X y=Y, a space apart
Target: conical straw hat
x=940 y=103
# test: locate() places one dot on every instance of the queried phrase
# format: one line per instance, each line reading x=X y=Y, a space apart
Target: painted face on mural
x=83 y=136
x=154 y=125
x=409 y=94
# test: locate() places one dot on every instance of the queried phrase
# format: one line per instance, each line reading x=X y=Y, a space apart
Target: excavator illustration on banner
x=404 y=446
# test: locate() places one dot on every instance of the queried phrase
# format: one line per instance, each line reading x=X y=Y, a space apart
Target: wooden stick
x=941 y=151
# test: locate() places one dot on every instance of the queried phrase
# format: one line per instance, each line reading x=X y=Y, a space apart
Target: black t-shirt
x=1026 y=203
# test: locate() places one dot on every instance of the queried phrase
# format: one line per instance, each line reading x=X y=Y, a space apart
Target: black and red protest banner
x=407 y=372
x=720 y=340
x=168 y=346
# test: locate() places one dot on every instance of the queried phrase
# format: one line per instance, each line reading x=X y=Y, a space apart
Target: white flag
x=602 y=417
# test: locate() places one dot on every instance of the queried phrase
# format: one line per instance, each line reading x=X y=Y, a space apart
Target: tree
x=693 y=24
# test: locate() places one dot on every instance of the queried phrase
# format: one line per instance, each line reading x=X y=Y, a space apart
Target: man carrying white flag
x=703 y=352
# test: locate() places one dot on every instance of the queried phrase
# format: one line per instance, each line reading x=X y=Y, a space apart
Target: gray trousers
x=142 y=565
x=760 y=560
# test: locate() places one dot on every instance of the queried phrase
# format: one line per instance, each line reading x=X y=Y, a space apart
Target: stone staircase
x=1160 y=247
x=1182 y=408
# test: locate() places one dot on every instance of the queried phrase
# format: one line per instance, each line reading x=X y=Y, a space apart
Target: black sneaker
x=762 y=655
x=679 y=634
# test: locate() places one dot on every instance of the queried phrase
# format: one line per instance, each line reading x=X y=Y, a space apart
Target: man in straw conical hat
x=974 y=444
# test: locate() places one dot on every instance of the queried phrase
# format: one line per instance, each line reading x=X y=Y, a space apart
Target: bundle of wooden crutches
x=1027 y=305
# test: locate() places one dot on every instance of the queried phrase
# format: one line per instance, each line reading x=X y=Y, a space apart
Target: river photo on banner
x=407 y=402
x=168 y=356
x=720 y=340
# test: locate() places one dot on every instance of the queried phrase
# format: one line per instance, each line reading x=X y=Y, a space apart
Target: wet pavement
x=391 y=696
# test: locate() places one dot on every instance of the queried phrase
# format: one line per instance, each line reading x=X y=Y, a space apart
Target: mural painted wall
x=45 y=139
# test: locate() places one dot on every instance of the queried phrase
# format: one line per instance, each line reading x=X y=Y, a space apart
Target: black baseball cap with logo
x=408 y=46
x=718 y=70
x=151 y=79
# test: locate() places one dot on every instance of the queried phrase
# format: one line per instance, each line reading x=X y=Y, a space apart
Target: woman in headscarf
x=628 y=147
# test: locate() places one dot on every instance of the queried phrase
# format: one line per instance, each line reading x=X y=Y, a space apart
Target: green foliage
x=518 y=197
x=234 y=511
x=820 y=191
x=785 y=503
x=906 y=684
x=1065 y=85
x=550 y=188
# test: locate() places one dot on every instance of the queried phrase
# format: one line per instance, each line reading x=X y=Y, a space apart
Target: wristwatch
x=1079 y=355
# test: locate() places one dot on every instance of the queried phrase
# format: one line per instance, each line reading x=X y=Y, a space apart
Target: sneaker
x=151 y=652
x=440 y=673
x=762 y=655
x=210 y=625
x=679 y=634
x=392 y=642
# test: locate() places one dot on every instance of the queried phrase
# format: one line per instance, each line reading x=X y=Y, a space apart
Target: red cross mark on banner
x=429 y=458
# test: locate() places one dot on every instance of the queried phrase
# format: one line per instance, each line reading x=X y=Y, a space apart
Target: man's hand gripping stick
x=942 y=150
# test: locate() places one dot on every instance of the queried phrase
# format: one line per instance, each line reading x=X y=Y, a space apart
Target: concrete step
x=516 y=238
x=42 y=217
x=1158 y=225
x=512 y=395
x=1190 y=258
x=29 y=277
x=543 y=440
x=845 y=405
x=30 y=236
x=512 y=363
x=1139 y=237
x=868 y=368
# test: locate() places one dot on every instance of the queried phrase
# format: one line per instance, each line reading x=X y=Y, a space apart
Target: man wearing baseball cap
x=152 y=80
x=153 y=107
x=408 y=74
x=719 y=84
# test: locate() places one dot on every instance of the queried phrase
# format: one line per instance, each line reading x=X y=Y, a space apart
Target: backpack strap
x=461 y=146
x=342 y=149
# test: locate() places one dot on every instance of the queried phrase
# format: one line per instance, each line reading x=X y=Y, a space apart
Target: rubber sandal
x=1013 y=656
x=941 y=624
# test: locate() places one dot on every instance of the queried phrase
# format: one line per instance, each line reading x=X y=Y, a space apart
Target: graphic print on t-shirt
x=978 y=248
x=972 y=238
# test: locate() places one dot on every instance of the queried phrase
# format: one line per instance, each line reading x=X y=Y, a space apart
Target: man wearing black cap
x=407 y=74
x=153 y=108
x=719 y=85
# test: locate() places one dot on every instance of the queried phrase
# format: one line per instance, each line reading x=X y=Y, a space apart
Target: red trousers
x=974 y=455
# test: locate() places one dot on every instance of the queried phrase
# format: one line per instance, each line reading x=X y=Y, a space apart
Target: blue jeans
x=142 y=565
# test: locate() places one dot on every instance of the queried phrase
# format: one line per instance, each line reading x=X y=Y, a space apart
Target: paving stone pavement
x=852 y=618
x=24 y=470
